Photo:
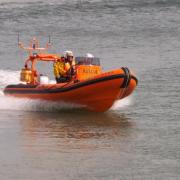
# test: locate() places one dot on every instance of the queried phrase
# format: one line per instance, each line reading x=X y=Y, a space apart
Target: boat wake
x=12 y=103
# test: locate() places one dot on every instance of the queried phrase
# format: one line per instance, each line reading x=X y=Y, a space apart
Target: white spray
x=123 y=103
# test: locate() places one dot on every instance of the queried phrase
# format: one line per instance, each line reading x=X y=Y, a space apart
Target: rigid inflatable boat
x=93 y=89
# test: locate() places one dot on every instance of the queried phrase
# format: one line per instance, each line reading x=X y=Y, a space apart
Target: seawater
x=138 y=138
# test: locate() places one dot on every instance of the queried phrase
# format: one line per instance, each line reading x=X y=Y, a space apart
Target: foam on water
x=11 y=103
x=8 y=77
x=123 y=103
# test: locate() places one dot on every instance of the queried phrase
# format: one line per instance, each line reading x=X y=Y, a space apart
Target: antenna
x=18 y=39
x=49 y=39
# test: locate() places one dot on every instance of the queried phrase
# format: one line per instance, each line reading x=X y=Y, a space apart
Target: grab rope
x=126 y=82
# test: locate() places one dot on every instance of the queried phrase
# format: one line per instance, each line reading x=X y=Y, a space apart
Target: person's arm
x=62 y=69
x=56 y=72
x=73 y=65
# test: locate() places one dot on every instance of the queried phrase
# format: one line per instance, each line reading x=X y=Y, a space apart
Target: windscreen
x=87 y=61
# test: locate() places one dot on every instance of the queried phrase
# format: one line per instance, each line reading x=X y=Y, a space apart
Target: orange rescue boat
x=92 y=88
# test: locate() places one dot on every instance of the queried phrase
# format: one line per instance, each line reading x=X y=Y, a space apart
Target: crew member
x=64 y=68
x=69 y=63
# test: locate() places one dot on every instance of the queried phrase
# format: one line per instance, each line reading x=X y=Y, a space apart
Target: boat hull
x=95 y=94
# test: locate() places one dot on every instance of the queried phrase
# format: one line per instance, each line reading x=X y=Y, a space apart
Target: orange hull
x=96 y=94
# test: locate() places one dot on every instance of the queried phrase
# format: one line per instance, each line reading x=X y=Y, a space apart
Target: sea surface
x=139 y=137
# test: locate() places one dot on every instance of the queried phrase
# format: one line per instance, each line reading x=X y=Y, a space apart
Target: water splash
x=8 y=77
x=123 y=103
x=11 y=103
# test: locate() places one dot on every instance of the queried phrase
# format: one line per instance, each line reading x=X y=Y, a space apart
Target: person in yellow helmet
x=69 y=63
x=64 y=68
